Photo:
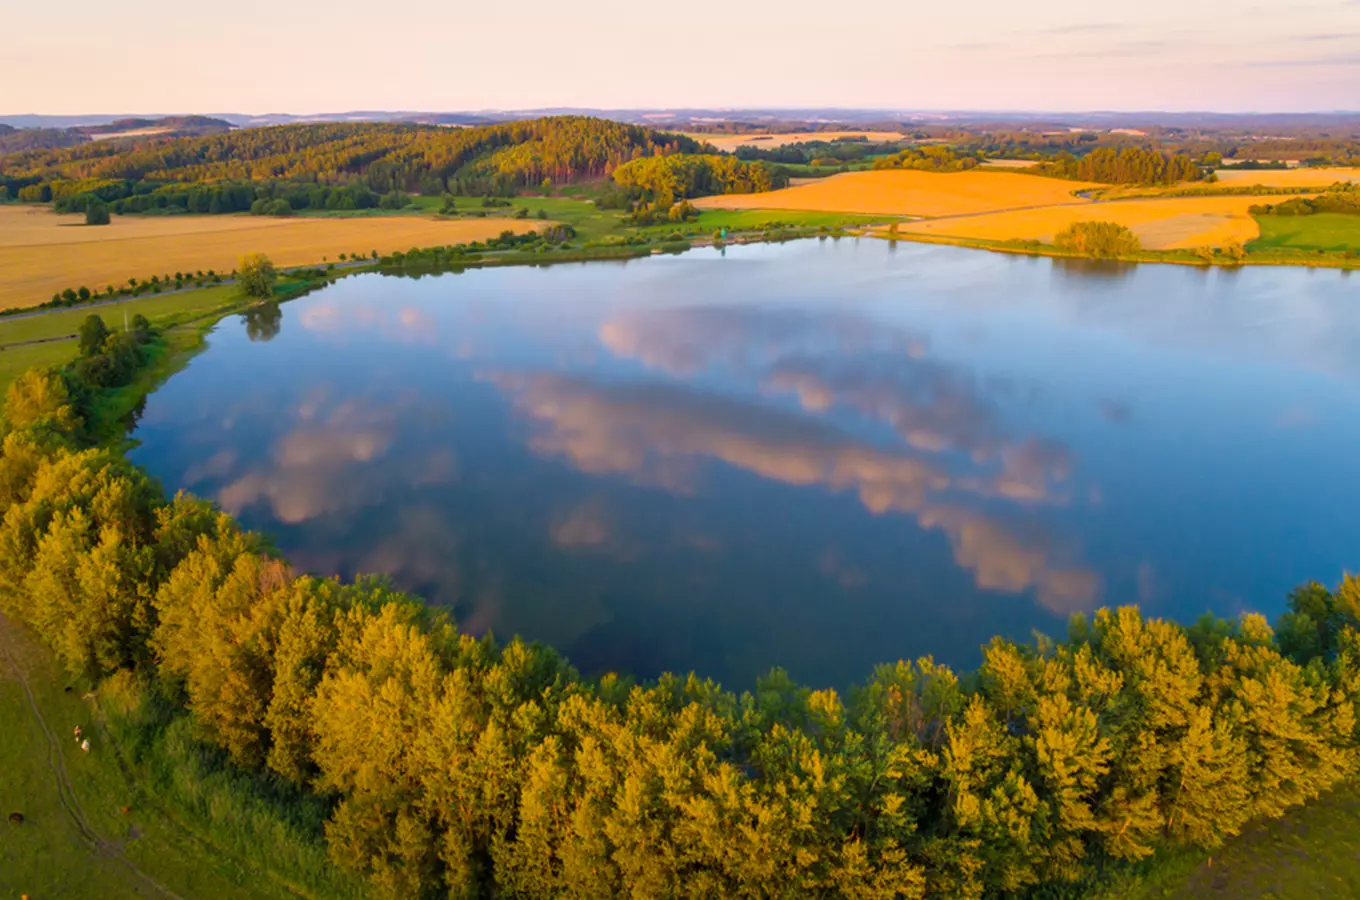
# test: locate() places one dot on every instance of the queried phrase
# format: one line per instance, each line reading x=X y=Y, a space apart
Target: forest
x=455 y=766
x=380 y=158
x=1131 y=165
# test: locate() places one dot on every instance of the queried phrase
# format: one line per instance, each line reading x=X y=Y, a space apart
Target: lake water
x=819 y=455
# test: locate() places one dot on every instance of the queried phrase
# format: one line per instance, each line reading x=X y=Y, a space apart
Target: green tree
x=93 y=334
x=257 y=275
x=96 y=212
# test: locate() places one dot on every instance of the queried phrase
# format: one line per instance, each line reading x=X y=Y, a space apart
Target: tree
x=93 y=334
x=1102 y=240
x=96 y=212
x=257 y=275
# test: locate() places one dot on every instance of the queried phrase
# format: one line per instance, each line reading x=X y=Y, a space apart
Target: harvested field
x=906 y=192
x=1009 y=164
x=730 y=142
x=42 y=253
x=1297 y=178
x=1172 y=224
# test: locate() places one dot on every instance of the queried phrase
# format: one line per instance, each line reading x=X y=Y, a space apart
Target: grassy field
x=911 y=193
x=1172 y=224
x=1325 y=231
x=165 y=312
x=1310 y=854
x=1295 y=178
x=100 y=824
x=42 y=253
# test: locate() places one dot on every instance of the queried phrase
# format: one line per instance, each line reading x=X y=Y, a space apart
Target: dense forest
x=378 y=157
x=458 y=767
x=1132 y=165
x=660 y=181
x=818 y=152
x=934 y=158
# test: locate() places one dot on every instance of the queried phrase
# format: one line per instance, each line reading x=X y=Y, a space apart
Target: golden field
x=730 y=142
x=1296 y=178
x=1171 y=224
x=907 y=192
x=42 y=253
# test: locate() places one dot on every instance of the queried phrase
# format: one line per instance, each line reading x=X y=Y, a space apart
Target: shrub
x=96 y=212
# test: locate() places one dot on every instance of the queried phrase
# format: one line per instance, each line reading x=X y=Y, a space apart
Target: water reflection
x=819 y=455
x=263 y=321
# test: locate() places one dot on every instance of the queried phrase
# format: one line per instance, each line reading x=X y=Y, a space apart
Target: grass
x=42 y=253
x=1311 y=853
x=146 y=807
x=907 y=192
x=1332 y=232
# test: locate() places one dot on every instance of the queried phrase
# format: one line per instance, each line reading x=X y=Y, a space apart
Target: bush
x=96 y=212
x=1101 y=240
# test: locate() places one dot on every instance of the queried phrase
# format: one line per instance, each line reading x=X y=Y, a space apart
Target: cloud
x=648 y=432
x=688 y=340
x=1340 y=59
x=325 y=464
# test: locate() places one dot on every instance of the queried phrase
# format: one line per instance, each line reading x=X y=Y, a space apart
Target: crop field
x=1010 y=163
x=730 y=142
x=907 y=192
x=1324 y=231
x=42 y=253
x=1293 y=178
x=1173 y=224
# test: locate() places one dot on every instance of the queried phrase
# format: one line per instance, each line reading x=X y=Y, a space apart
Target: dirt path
x=56 y=763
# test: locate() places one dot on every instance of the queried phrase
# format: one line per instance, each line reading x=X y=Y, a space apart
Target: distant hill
x=382 y=157
x=169 y=126
x=17 y=140
x=20 y=139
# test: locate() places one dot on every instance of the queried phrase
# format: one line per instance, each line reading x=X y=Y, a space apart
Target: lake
x=819 y=455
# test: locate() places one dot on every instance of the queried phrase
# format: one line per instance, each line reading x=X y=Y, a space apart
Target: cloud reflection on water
x=654 y=434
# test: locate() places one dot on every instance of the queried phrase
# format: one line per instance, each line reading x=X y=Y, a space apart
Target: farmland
x=1286 y=178
x=728 y=143
x=909 y=192
x=42 y=253
x=1172 y=224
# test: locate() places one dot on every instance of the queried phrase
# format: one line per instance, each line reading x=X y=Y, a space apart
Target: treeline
x=840 y=150
x=381 y=157
x=458 y=767
x=1339 y=198
x=1131 y=165
x=657 y=183
x=260 y=198
x=934 y=158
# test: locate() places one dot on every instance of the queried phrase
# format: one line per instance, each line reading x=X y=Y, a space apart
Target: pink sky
x=307 y=56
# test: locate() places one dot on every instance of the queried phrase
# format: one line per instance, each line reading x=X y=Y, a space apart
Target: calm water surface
x=818 y=455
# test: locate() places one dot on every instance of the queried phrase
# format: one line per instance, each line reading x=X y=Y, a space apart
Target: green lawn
x=1333 y=232
x=76 y=841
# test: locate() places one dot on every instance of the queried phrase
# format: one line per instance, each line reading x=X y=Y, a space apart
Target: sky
x=309 y=56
